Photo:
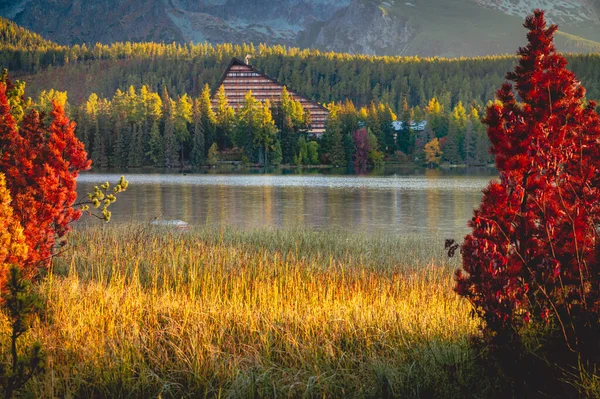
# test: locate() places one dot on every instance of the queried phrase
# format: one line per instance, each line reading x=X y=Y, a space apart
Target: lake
x=427 y=202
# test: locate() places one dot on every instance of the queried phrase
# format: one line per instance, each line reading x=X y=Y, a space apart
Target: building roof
x=237 y=61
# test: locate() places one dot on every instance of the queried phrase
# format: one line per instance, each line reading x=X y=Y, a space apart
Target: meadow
x=132 y=310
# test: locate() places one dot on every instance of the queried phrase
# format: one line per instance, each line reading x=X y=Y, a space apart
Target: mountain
x=389 y=27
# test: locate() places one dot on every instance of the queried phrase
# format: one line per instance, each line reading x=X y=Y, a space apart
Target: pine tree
x=224 y=120
x=459 y=120
x=135 y=154
x=182 y=120
x=277 y=156
x=170 y=141
x=406 y=134
x=332 y=141
x=156 y=150
x=337 y=155
x=208 y=118
x=197 y=157
x=386 y=120
x=265 y=134
x=99 y=153
x=198 y=153
x=288 y=140
x=470 y=144
x=436 y=119
x=532 y=257
x=452 y=146
x=119 y=150
x=247 y=123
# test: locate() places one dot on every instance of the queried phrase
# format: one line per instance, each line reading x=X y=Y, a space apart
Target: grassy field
x=135 y=311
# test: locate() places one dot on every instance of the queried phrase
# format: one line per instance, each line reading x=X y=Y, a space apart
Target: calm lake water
x=429 y=202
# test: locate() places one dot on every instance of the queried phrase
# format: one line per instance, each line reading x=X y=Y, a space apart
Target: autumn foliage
x=532 y=257
x=40 y=162
x=13 y=249
x=361 y=148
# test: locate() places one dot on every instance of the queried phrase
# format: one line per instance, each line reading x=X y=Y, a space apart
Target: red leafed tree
x=41 y=164
x=533 y=254
x=361 y=149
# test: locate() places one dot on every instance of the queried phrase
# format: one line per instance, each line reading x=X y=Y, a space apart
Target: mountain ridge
x=448 y=28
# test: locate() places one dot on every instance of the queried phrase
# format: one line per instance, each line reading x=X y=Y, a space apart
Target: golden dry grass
x=135 y=311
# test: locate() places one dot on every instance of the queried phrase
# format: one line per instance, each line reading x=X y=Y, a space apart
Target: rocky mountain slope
x=406 y=27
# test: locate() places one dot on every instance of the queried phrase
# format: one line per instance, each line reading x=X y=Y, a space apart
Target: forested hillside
x=148 y=103
x=324 y=77
x=15 y=38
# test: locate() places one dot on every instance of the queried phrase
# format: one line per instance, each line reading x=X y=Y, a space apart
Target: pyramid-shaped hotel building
x=239 y=78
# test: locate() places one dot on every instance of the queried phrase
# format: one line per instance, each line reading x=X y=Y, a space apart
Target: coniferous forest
x=148 y=104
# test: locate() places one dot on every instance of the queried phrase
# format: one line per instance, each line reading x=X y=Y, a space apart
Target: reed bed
x=137 y=311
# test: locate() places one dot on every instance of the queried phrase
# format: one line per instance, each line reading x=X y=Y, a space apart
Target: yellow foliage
x=13 y=249
x=434 y=107
x=433 y=153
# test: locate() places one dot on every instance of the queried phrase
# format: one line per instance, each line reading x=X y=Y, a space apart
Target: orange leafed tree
x=13 y=249
x=41 y=163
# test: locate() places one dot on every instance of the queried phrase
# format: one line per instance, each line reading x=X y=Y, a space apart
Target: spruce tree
x=170 y=142
x=197 y=156
x=182 y=120
x=288 y=140
x=470 y=144
x=135 y=153
x=208 y=118
x=119 y=150
x=99 y=152
x=405 y=134
x=386 y=120
x=224 y=116
x=452 y=146
x=156 y=151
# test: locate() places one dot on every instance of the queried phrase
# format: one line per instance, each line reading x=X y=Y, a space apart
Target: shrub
x=213 y=155
x=532 y=257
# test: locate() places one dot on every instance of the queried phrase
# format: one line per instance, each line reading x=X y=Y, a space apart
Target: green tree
x=333 y=142
x=170 y=141
x=436 y=120
x=406 y=137
x=224 y=120
x=277 y=156
x=265 y=134
x=135 y=154
x=208 y=118
x=182 y=120
x=452 y=146
x=119 y=150
x=312 y=149
x=198 y=153
x=156 y=150
x=213 y=155
x=247 y=123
